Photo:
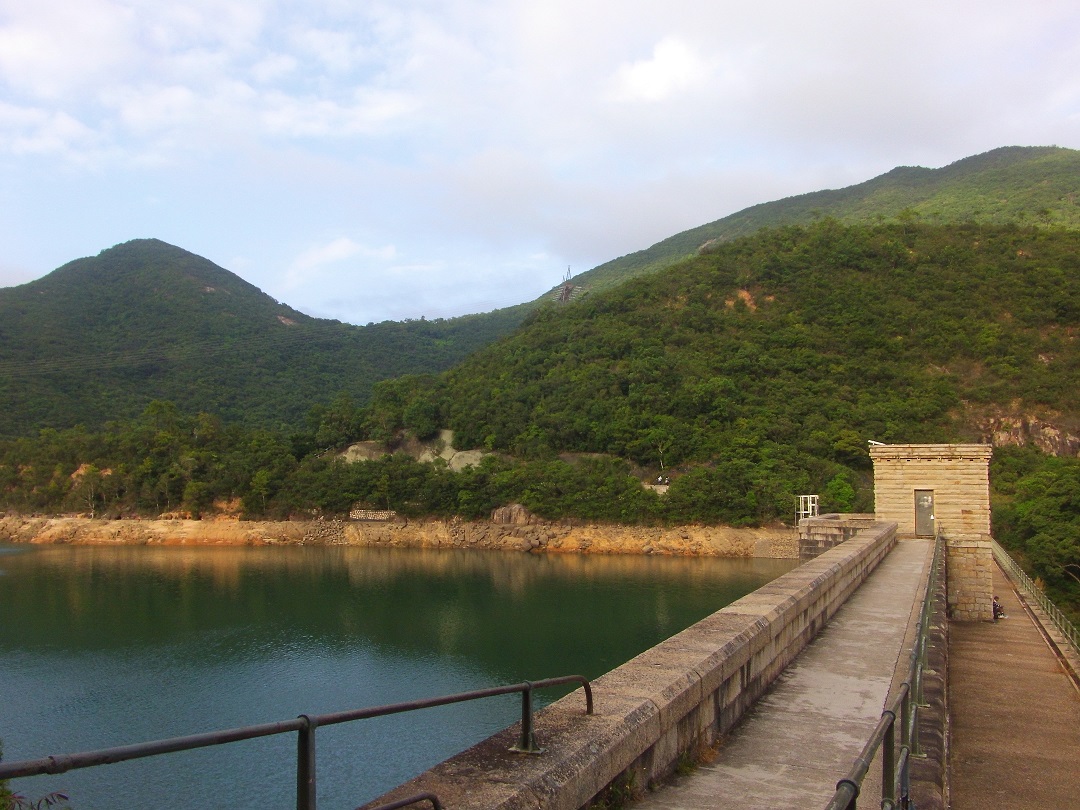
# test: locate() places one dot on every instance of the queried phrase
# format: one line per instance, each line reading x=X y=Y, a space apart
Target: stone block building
x=929 y=489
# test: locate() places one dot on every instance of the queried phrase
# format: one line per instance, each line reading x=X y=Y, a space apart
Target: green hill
x=102 y=337
x=753 y=372
x=750 y=373
x=1028 y=185
x=793 y=347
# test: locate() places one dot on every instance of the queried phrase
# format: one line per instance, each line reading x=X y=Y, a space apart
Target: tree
x=839 y=495
x=87 y=489
x=339 y=423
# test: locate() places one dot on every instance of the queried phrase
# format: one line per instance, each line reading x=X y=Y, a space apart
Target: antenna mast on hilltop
x=567 y=287
x=568 y=290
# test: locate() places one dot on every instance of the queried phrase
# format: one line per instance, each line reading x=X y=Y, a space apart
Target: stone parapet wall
x=666 y=703
x=971 y=578
x=372 y=514
x=929 y=771
x=820 y=533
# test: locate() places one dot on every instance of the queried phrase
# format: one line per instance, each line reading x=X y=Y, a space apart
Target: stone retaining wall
x=971 y=578
x=372 y=514
x=666 y=703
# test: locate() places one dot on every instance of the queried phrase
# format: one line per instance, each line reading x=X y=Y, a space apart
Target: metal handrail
x=1017 y=575
x=895 y=772
x=304 y=726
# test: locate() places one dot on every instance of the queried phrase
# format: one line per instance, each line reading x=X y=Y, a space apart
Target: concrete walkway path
x=806 y=732
x=1014 y=714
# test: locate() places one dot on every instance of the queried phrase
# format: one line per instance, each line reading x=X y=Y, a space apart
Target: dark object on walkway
x=999 y=611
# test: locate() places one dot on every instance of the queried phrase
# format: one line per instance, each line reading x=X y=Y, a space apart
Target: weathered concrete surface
x=664 y=703
x=804 y=735
x=1015 y=715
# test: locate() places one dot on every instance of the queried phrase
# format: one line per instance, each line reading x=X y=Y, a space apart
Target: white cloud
x=305 y=117
x=337 y=51
x=674 y=67
x=31 y=131
x=321 y=258
x=50 y=49
x=472 y=134
x=274 y=66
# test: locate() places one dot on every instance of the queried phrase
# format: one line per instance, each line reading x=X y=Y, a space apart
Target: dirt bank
x=535 y=536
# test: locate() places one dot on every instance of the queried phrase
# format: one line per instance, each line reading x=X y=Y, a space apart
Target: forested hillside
x=1028 y=185
x=808 y=340
x=100 y=338
x=749 y=374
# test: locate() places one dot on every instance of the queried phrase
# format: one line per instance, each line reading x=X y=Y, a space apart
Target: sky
x=367 y=161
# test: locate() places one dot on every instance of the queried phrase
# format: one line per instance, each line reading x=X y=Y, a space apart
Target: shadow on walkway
x=1014 y=715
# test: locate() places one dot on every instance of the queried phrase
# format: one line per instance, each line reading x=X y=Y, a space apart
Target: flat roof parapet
x=931 y=451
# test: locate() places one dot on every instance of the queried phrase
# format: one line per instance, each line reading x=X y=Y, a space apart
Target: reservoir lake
x=107 y=646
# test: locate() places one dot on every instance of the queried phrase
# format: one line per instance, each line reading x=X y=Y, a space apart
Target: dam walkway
x=1015 y=714
x=792 y=704
x=1014 y=711
x=805 y=733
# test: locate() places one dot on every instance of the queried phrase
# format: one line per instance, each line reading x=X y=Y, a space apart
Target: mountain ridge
x=100 y=337
x=902 y=189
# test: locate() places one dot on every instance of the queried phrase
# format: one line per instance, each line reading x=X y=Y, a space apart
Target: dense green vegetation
x=165 y=461
x=1036 y=508
x=791 y=348
x=748 y=374
x=1035 y=186
x=912 y=308
x=100 y=338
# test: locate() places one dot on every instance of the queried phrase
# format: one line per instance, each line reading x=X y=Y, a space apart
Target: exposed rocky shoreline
x=528 y=534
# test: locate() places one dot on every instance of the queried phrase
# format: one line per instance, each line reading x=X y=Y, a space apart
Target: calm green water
x=108 y=646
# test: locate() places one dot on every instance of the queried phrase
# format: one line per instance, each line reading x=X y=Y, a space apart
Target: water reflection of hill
x=492 y=608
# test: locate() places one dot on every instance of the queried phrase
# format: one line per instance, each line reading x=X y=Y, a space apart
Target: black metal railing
x=304 y=726
x=895 y=772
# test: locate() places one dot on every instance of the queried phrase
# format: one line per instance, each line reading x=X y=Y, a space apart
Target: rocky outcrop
x=441 y=447
x=533 y=535
x=1003 y=430
x=514 y=513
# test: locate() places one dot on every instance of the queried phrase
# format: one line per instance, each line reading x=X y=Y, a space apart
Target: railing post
x=305 y=764
x=527 y=741
x=905 y=779
x=907 y=718
x=888 y=764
